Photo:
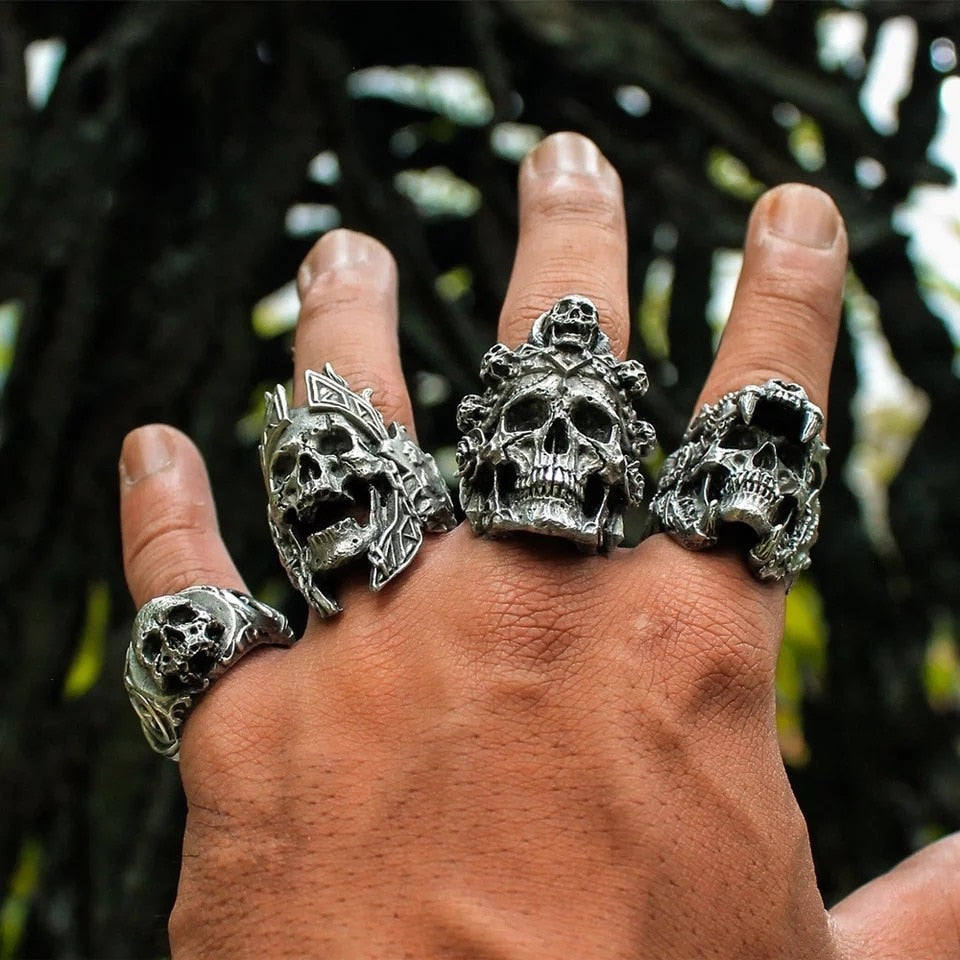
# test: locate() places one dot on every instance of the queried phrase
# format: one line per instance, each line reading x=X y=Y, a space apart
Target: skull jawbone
x=338 y=544
x=552 y=517
x=750 y=508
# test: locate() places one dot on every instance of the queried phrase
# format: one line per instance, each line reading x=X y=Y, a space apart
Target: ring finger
x=348 y=318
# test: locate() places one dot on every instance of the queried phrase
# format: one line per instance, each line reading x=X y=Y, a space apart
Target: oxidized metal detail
x=553 y=445
x=181 y=644
x=754 y=459
x=342 y=485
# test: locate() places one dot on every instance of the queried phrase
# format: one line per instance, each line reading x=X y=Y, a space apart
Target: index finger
x=783 y=325
x=786 y=312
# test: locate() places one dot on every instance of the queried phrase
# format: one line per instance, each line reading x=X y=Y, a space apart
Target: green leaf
x=16 y=906
x=800 y=669
x=941 y=666
x=87 y=662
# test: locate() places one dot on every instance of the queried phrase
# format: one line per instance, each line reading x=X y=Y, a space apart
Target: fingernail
x=804 y=215
x=145 y=452
x=344 y=250
x=566 y=153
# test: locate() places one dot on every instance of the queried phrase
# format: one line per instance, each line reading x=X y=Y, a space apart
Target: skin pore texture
x=515 y=751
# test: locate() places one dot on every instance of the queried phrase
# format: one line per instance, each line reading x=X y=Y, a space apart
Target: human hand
x=515 y=750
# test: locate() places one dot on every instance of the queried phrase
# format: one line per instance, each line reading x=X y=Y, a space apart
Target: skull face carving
x=343 y=486
x=754 y=459
x=572 y=324
x=180 y=643
x=553 y=445
x=324 y=481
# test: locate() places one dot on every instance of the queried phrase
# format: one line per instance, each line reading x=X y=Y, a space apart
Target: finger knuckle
x=723 y=658
x=164 y=546
x=234 y=737
x=538 y=629
x=728 y=675
x=577 y=203
x=797 y=300
x=389 y=393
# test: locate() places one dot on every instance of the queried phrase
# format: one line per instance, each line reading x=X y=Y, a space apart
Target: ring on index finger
x=754 y=460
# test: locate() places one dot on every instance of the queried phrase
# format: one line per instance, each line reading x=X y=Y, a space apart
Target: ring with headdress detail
x=343 y=486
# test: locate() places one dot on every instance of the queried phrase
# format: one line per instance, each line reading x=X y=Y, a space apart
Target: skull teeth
x=756 y=484
x=551 y=482
x=812 y=424
x=750 y=499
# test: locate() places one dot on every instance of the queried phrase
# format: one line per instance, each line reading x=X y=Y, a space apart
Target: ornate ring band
x=753 y=459
x=342 y=486
x=553 y=445
x=181 y=644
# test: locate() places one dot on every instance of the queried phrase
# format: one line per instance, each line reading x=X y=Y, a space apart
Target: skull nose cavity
x=558 y=438
x=766 y=457
x=308 y=469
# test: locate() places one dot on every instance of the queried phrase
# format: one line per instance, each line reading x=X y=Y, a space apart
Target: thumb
x=910 y=913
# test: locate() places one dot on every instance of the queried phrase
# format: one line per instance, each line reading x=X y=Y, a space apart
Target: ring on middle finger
x=343 y=486
x=553 y=445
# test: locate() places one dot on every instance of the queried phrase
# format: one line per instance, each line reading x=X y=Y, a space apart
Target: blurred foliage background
x=164 y=168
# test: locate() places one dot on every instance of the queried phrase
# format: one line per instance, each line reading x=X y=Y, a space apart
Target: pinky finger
x=168 y=519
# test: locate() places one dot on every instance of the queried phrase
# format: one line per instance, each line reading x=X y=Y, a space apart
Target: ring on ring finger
x=343 y=486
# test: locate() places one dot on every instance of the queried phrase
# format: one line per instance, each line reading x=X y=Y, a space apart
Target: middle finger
x=573 y=239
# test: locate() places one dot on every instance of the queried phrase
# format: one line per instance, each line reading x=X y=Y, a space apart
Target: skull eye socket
x=739 y=438
x=181 y=614
x=151 y=645
x=528 y=413
x=792 y=456
x=592 y=421
x=284 y=463
x=335 y=440
x=817 y=476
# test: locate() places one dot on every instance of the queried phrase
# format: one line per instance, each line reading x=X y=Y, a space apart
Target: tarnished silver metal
x=754 y=458
x=342 y=485
x=553 y=445
x=181 y=644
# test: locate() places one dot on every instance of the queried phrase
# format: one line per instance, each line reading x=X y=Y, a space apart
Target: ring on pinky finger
x=181 y=644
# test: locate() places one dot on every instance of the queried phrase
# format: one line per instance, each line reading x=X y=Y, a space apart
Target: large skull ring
x=753 y=460
x=342 y=485
x=553 y=444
